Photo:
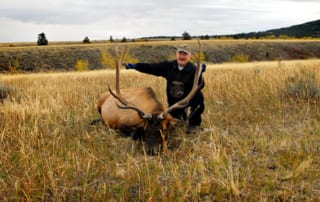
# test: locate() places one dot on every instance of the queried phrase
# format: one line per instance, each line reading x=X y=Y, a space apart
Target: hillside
x=65 y=57
x=308 y=29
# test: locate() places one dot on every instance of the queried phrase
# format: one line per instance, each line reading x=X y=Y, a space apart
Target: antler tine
x=140 y=112
x=118 y=64
x=196 y=86
x=122 y=56
x=116 y=60
x=118 y=96
x=198 y=70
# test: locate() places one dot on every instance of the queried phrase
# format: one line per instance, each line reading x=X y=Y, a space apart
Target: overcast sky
x=65 y=20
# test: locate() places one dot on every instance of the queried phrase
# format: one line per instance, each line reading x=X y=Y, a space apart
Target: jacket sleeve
x=157 y=69
x=201 y=81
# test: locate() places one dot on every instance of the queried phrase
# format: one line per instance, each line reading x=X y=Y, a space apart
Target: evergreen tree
x=86 y=40
x=186 y=36
x=124 y=39
x=42 y=40
x=111 y=39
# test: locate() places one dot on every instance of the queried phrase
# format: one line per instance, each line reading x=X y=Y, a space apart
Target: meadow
x=264 y=144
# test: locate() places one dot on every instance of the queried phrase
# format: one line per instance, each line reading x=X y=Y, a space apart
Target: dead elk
x=138 y=113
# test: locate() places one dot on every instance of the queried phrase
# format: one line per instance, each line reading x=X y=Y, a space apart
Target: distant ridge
x=308 y=29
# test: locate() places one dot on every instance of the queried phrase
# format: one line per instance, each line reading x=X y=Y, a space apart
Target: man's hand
x=203 y=67
x=130 y=65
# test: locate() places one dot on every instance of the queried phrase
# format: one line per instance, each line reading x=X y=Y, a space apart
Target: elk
x=138 y=113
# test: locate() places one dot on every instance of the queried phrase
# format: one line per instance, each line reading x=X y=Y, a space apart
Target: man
x=179 y=74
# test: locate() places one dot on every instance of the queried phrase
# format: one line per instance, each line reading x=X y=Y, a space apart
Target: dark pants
x=196 y=109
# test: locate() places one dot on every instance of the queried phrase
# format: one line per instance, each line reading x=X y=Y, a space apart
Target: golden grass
x=264 y=145
x=258 y=65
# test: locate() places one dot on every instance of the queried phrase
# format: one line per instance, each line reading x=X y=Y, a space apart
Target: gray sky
x=72 y=20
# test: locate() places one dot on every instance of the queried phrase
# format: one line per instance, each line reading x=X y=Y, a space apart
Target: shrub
x=203 y=57
x=82 y=65
x=108 y=59
x=111 y=39
x=205 y=37
x=13 y=67
x=42 y=39
x=283 y=36
x=86 y=40
x=303 y=85
x=186 y=36
x=124 y=39
x=240 y=58
x=4 y=92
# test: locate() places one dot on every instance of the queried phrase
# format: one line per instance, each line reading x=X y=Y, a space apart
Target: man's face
x=183 y=58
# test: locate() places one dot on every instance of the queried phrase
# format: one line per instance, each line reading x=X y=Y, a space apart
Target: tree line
x=309 y=29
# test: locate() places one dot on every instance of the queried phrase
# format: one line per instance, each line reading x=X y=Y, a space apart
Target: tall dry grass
x=264 y=144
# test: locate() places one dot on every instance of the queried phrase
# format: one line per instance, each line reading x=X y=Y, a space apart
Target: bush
x=303 y=85
x=14 y=67
x=42 y=39
x=240 y=58
x=124 y=39
x=86 y=40
x=203 y=57
x=4 y=92
x=186 y=36
x=108 y=59
x=82 y=65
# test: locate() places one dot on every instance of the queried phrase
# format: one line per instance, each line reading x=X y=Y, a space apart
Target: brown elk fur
x=115 y=117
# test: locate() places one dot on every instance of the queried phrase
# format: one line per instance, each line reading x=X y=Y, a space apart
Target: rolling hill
x=308 y=29
x=65 y=57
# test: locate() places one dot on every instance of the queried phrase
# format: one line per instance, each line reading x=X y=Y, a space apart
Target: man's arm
x=201 y=79
x=157 y=69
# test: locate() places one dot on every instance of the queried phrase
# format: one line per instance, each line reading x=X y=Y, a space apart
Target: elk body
x=151 y=130
x=137 y=112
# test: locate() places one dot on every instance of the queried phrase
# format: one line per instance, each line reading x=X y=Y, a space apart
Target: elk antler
x=117 y=95
x=196 y=86
x=125 y=105
x=118 y=65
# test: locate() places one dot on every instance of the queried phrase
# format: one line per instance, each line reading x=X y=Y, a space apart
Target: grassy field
x=264 y=144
